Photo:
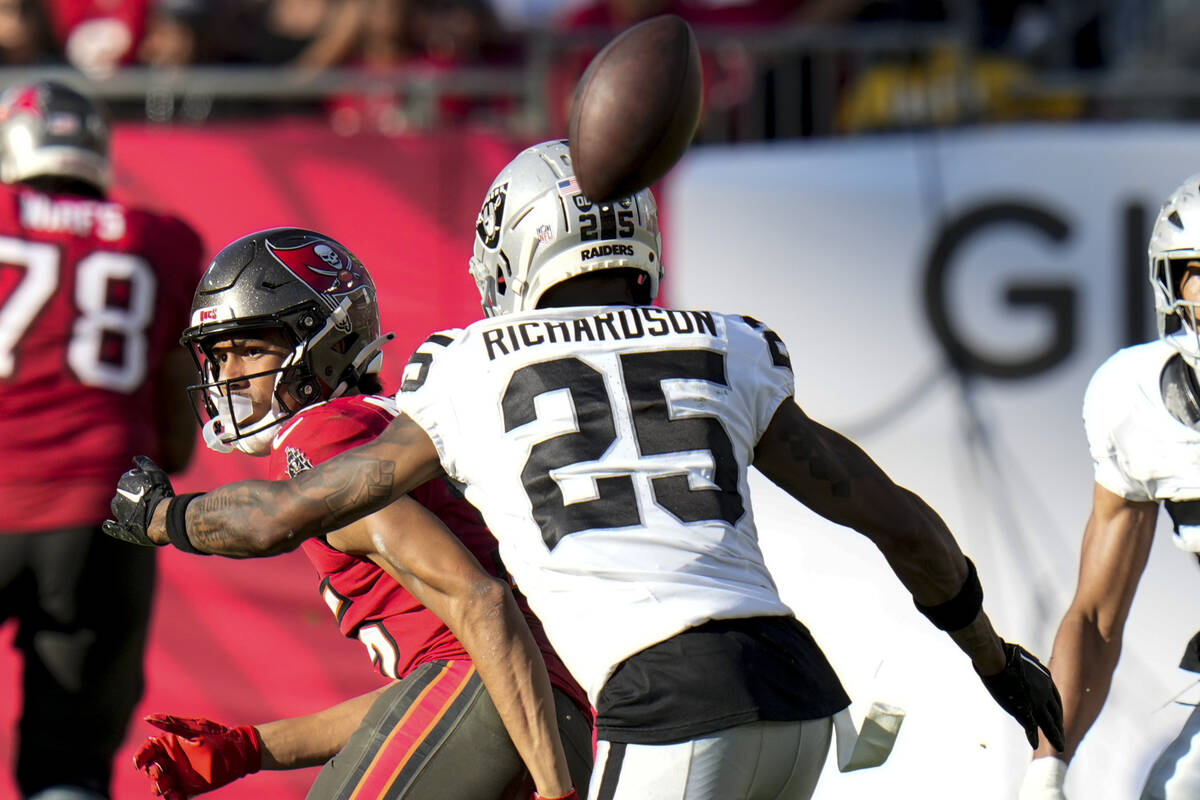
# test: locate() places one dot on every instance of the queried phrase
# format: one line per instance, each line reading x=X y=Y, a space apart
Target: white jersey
x=1139 y=449
x=607 y=448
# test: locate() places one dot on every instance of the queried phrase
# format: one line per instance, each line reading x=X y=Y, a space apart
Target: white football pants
x=756 y=761
x=1176 y=773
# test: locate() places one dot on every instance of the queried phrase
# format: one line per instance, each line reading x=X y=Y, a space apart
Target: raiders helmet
x=306 y=286
x=536 y=230
x=48 y=129
x=1174 y=241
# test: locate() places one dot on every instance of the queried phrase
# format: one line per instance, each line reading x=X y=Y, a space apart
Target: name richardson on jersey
x=617 y=325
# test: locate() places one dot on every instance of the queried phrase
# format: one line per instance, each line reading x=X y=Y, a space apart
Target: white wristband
x=1044 y=778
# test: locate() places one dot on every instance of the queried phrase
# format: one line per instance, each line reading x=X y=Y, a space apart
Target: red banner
x=251 y=641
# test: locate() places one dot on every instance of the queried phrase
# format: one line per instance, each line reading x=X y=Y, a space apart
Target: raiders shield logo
x=487 y=226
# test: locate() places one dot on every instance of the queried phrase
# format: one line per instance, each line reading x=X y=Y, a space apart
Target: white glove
x=868 y=745
x=1044 y=779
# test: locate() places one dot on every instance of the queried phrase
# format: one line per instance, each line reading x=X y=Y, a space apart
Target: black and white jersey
x=1140 y=450
x=607 y=448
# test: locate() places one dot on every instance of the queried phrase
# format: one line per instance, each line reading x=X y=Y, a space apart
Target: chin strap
x=1181 y=391
x=253 y=440
x=369 y=361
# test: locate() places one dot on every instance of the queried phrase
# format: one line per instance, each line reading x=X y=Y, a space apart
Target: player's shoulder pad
x=775 y=346
x=340 y=420
x=1116 y=383
x=416 y=371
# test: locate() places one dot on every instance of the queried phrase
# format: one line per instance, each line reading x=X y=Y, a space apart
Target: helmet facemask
x=315 y=298
x=1174 y=243
x=224 y=411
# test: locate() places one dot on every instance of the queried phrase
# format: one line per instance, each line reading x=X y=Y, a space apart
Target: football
x=636 y=108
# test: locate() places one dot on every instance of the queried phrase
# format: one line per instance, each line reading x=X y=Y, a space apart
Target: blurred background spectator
x=179 y=33
x=25 y=34
x=98 y=35
x=429 y=39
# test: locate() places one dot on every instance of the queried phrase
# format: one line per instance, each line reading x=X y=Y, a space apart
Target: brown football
x=636 y=108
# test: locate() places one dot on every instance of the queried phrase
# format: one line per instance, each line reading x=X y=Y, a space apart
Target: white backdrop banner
x=945 y=299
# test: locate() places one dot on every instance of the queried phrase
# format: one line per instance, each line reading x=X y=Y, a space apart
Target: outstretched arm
x=413 y=546
x=256 y=518
x=405 y=540
x=834 y=477
x=1116 y=546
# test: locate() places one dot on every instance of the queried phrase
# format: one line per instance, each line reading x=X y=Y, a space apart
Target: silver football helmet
x=48 y=129
x=536 y=230
x=306 y=286
x=1174 y=241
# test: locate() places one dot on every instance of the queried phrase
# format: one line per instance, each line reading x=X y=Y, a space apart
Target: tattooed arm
x=833 y=476
x=411 y=544
x=256 y=518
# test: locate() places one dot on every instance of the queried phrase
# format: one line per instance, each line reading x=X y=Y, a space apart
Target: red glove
x=571 y=795
x=196 y=755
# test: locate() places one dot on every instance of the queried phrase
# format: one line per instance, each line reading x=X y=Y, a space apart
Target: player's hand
x=138 y=493
x=1044 y=779
x=196 y=755
x=1025 y=690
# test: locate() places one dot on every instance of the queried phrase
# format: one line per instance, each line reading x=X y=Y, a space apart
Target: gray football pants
x=756 y=761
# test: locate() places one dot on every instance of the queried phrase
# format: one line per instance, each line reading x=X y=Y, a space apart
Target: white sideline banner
x=1019 y=254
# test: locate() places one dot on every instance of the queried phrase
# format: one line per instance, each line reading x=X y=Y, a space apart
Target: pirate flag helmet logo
x=323 y=264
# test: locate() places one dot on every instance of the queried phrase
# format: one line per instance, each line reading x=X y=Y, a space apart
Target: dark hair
x=570 y=291
x=369 y=384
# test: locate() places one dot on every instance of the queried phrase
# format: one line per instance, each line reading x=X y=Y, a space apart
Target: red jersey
x=92 y=295
x=399 y=633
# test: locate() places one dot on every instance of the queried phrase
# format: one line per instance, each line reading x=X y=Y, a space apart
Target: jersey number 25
x=657 y=433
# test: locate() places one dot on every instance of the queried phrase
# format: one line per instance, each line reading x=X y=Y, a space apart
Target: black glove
x=138 y=493
x=1025 y=690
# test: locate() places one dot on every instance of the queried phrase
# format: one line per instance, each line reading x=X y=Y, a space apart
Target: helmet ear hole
x=1176 y=271
x=343 y=345
x=308 y=323
x=306 y=390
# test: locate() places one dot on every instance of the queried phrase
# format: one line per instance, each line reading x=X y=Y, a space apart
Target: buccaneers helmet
x=536 y=230
x=48 y=129
x=306 y=286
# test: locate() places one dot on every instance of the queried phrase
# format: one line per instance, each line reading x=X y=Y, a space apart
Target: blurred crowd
x=443 y=36
x=96 y=35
